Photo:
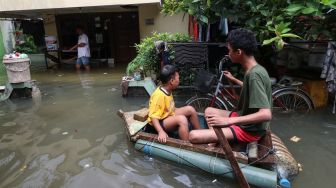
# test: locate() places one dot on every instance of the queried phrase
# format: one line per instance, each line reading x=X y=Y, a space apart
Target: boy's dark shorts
x=151 y=129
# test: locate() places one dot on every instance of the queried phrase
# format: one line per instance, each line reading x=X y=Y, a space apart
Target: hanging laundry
x=193 y=28
x=329 y=70
x=208 y=33
x=200 y=33
x=223 y=26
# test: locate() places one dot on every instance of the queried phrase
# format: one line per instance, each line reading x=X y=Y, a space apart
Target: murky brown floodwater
x=70 y=136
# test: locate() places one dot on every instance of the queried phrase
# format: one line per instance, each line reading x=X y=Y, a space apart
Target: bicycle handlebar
x=223 y=61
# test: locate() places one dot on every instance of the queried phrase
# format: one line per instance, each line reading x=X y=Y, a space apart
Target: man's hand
x=231 y=78
x=228 y=75
x=218 y=120
x=162 y=136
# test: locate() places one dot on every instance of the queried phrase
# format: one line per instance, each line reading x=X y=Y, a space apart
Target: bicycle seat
x=296 y=83
x=286 y=80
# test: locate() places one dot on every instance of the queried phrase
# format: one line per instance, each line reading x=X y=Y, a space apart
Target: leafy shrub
x=147 y=58
x=27 y=46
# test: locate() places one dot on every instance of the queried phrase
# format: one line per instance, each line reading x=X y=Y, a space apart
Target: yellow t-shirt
x=161 y=105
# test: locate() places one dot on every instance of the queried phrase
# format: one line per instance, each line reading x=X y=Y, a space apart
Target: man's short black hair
x=167 y=73
x=243 y=39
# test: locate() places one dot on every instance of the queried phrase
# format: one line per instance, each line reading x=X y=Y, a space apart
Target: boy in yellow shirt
x=163 y=115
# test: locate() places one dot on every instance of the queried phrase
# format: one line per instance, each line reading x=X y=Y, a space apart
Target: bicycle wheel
x=289 y=100
x=200 y=103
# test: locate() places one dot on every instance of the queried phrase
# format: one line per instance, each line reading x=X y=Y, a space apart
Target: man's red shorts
x=239 y=134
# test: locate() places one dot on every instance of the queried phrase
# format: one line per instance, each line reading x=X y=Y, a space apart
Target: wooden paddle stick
x=228 y=151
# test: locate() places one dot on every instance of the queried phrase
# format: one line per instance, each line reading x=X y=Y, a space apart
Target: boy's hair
x=167 y=73
x=243 y=39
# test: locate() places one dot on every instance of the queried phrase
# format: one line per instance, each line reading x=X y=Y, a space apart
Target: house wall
x=162 y=23
x=50 y=25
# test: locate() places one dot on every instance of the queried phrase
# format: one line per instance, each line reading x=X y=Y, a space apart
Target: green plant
x=273 y=20
x=147 y=58
x=281 y=31
x=26 y=46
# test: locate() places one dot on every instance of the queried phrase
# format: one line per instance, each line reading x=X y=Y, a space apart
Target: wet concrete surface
x=68 y=135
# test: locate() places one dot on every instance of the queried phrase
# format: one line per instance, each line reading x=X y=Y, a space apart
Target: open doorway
x=111 y=35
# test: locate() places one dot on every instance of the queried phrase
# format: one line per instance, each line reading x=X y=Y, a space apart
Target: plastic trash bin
x=17 y=69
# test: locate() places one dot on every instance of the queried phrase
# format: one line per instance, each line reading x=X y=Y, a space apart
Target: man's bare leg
x=209 y=112
x=78 y=68
x=205 y=136
x=87 y=68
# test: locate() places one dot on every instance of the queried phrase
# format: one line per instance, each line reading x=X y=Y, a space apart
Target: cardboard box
x=317 y=90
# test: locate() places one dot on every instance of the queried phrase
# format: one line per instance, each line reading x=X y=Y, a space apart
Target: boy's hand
x=162 y=137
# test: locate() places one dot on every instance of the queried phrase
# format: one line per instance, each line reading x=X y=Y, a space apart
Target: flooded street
x=69 y=135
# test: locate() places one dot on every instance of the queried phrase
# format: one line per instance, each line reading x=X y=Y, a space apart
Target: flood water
x=69 y=135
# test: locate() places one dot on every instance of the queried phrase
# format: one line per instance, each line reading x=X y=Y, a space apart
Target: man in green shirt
x=250 y=121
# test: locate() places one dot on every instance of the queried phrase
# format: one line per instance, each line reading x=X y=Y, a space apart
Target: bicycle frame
x=223 y=97
x=223 y=92
x=228 y=97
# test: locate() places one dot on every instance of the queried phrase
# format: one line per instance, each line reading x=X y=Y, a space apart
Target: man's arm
x=229 y=76
x=74 y=47
x=162 y=135
x=262 y=115
x=81 y=44
x=77 y=45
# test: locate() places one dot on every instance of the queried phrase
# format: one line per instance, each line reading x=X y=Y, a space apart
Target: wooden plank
x=120 y=113
x=132 y=126
x=264 y=144
x=204 y=149
x=234 y=164
x=141 y=115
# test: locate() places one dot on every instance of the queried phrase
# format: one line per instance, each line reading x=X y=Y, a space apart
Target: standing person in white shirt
x=83 y=49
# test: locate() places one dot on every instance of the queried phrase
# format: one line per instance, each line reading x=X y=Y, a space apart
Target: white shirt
x=85 y=50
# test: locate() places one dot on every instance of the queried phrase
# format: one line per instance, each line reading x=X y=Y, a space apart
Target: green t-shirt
x=255 y=94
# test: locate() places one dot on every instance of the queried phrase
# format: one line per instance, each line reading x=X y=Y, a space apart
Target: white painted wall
x=162 y=23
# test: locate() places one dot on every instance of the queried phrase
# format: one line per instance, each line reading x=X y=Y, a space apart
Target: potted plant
x=147 y=59
x=25 y=44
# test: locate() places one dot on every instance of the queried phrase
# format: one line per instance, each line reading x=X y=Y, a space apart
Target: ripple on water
x=42 y=171
x=129 y=172
x=9 y=124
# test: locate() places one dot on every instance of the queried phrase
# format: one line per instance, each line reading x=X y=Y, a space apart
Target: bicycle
x=287 y=95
